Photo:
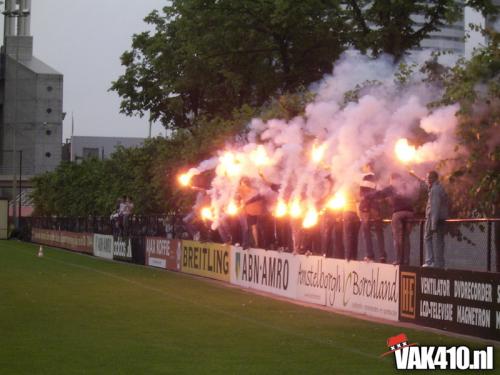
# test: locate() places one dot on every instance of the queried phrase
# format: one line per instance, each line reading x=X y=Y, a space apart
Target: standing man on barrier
x=436 y=212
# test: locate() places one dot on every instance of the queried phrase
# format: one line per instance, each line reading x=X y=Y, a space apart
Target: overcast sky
x=83 y=39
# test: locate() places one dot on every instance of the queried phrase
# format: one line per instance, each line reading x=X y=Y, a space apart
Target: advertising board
x=206 y=259
x=81 y=242
x=364 y=288
x=103 y=246
x=122 y=249
x=163 y=253
x=466 y=302
x=268 y=271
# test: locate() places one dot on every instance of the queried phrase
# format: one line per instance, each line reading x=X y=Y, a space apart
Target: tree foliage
x=211 y=65
x=148 y=174
x=475 y=175
x=395 y=27
x=210 y=57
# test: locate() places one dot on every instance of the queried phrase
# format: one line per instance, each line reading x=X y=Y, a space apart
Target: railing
x=472 y=244
x=154 y=225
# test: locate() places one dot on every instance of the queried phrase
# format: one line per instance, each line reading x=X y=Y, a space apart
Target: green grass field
x=68 y=313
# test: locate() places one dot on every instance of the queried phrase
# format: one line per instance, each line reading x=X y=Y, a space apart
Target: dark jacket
x=368 y=203
x=398 y=202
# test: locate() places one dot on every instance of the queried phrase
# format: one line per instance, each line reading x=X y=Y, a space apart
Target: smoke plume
x=311 y=157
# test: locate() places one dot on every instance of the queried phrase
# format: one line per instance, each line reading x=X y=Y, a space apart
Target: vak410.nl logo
x=411 y=356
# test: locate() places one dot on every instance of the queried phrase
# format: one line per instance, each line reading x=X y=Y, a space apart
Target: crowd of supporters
x=337 y=231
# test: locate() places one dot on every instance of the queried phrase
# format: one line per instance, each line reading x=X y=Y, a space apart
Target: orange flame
x=338 y=201
x=259 y=156
x=232 y=208
x=404 y=151
x=318 y=152
x=295 y=209
x=231 y=166
x=311 y=218
x=185 y=179
x=281 y=209
x=207 y=214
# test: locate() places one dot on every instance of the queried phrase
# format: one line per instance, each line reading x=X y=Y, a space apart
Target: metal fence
x=470 y=244
x=158 y=225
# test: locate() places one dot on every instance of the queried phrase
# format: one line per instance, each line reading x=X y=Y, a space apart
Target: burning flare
x=185 y=178
x=311 y=218
x=207 y=214
x=232 y=208
x=318 y=152
x=338 y=201
x=295 y=209
x=231 y=166
x=404 y=151
x=259 y=156
x=281 y=209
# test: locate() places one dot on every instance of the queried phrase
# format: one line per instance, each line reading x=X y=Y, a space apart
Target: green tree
x=395 y=27
x=208 y=58
x=149 y=173
x=69 y=190
x=475 y=173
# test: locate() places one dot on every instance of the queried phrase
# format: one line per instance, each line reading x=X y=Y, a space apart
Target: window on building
x=90 y=153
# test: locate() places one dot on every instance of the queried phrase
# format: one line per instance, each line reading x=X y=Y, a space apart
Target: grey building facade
x=31 y=106
x=450 y=38
x=31 y=103
x=83 y=147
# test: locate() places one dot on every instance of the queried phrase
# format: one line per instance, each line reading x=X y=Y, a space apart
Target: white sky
x=476 y=38
x=83 y=39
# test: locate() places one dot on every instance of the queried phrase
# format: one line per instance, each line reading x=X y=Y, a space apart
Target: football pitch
x=69 y=313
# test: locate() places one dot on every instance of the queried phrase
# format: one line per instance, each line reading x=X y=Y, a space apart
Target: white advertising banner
x=103 y=246
x=312 y=280
x=268 y=271
x=360 y=287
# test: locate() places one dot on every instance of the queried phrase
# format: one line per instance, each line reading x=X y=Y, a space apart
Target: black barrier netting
x=469 y=244
x=139 y=250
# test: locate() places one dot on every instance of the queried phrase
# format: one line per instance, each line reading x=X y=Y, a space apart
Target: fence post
x=488 y=246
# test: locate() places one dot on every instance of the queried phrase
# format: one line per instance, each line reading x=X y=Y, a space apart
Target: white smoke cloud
x=442 y=124
x=354 y=134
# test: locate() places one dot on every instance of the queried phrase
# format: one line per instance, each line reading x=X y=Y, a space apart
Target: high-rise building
x=447 y=38
x=31 y=99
